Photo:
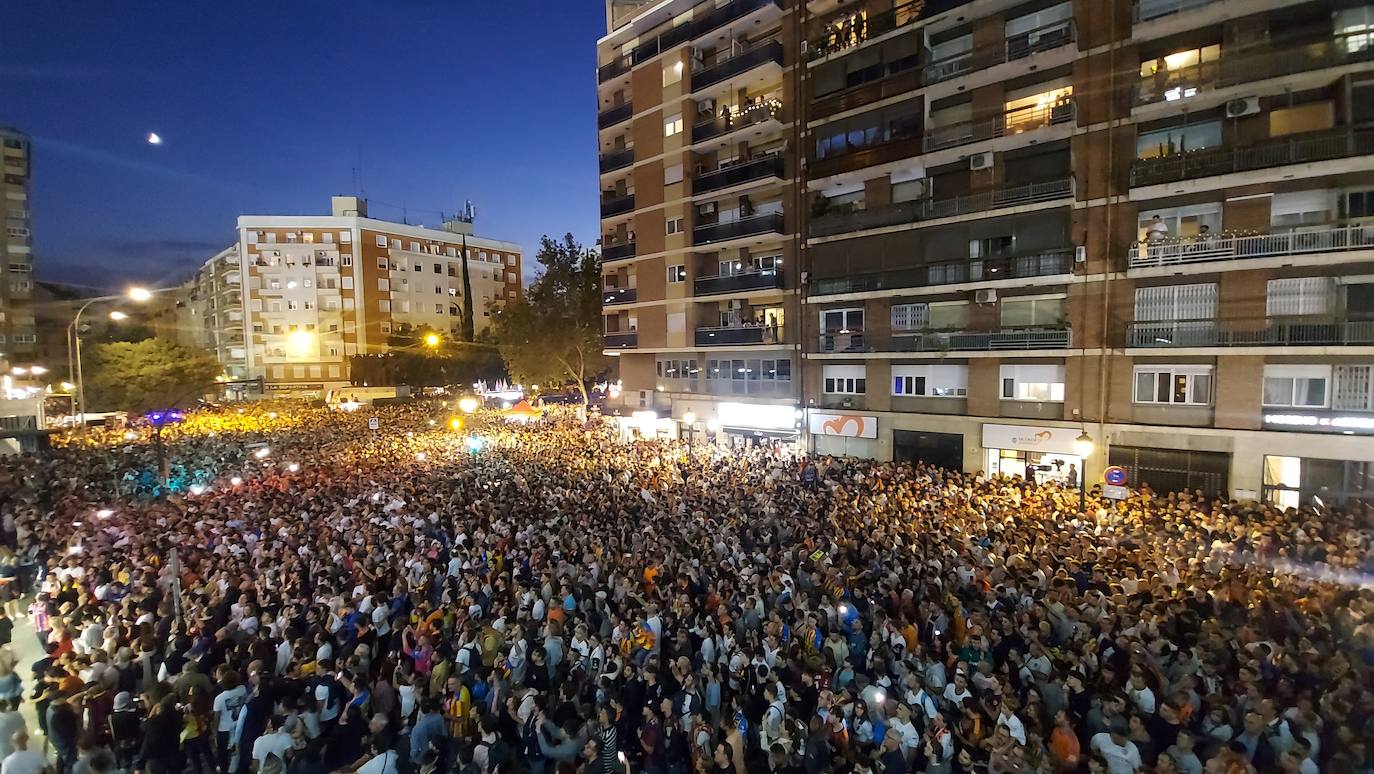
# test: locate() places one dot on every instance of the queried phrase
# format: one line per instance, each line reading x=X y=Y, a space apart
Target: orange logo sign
x=837 y=425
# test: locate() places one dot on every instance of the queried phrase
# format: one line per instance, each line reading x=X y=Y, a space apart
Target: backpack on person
x=498 y=754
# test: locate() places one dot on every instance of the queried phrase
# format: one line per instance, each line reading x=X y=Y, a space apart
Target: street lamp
x=432 y=340
x=1083 y=446
x=118 y=316
x=136 y=294
x=690 y=419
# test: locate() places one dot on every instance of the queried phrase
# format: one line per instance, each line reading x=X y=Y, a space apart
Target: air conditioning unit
x=980 y=160
x=985 y=296
x=1080 y=254
x=709 y=208
x=707 y=105
x=1242 y=107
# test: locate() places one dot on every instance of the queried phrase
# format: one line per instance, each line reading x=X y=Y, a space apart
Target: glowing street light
x=456 y=423
x=1082 y=446
x=432 y=340
x=139 y=294
x=118 y=316
x=468 y=405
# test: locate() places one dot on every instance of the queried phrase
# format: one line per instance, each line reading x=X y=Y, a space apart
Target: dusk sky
x=272 y=107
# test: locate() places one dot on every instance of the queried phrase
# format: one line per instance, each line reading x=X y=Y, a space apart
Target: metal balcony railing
x=738 y=334
x=1042 y=264
x=614 y=115
x=901 y=76
x=1010 y=123
x=719 y=232
x=621 y=340
x=946 y=341
x=617 y=206
x=850 y=29
x=619 y=66
x=617 y=160
x=1146 y=10
x=758 y=169
x=1225 y=247
x=1297 y=149
x=613 y=296
x=770 y=108
x=765 y=279
x=1261 y=332
x=742 y=62
x=616 y=252
x=1044 y=38
x=844 y=221
x=1253 y=63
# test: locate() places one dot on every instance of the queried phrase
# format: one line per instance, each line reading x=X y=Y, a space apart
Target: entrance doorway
x=944 y=450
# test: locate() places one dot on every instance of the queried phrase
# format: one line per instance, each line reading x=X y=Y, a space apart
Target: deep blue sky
x=268 y=107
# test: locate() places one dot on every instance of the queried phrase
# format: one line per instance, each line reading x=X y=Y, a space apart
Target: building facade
x=18 y=331
x=321 y=289
x=214 y=311
x=1146 y=222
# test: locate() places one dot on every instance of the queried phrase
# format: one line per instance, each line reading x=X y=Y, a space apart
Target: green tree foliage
x=553 y=334
x=454 y=363
x=143 y=375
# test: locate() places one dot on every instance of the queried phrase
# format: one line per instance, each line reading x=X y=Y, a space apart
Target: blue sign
x=1115 y=475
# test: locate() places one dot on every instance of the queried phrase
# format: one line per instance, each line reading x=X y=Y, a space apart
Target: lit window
x=677 y=273
x=672 y=125
x=1190 y=385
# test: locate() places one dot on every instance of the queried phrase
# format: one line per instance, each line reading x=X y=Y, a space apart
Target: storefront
x=943 y=450
x=1290 y=482
x=643 y=425
x=749 y=425
x=1044 y=453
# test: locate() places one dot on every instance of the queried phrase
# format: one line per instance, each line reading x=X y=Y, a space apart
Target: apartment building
x=1144 y=225
x=18 y=331
x=322 y=288
x=701 y=198
x=213 y=311
x=1013 y=227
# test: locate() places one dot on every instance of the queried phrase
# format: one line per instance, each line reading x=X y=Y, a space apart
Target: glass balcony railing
x=946 y=341
x=1041 y=264
x=614 y=115
x=843 y=221
x=1305 y=148
x=1262 y=332
x=758 y=169
x=711 y=233
x=619 y=66
x=852 y=29
x=1048 y=37
x=1012 y=122
x=681 y=33
x=613 y=296
x=617 y=206
x=1148 y=10
x=738 y=335
x=1226 y=247
x=766 y=279
x=617 y=252
x=621 y=340
x=742 y=62
x=617 y=160
x=768 y=109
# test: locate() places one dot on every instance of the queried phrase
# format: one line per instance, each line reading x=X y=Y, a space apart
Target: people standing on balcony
x=1157 y=230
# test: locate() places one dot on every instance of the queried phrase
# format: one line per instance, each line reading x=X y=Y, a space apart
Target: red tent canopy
x=522 y=409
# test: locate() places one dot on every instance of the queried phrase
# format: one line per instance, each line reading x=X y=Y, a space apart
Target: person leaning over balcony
x=1157 y=230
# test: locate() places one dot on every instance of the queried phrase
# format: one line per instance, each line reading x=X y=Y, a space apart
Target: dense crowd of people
x=317 y=596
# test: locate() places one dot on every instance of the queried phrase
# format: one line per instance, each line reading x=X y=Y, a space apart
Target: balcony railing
x=1146 y=10
x=946 y=341
x=1282 y=151
x=742 y=62
x=844 y=221
x=1225 y=247
x=890 y=85
x=616 y=252
x=614 y=115
x=770 y=108
x=1043 y=264
x=617 y=160
x=766 y=279
x=617 y=206
x=619 y=66
x=758 y=169
x=1255 y=63
x=1035 y=41
x=1010 y=123
x=613 y=296
x=1263 y=332
x=738 y=334
x=851 y=30
x=719 y=232
x=621 y=340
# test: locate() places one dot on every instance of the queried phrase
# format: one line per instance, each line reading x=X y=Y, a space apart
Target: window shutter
x=1300 y=296
x=910 y=317
x=1351 y=388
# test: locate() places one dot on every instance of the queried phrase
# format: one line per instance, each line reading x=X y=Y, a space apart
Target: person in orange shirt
x=1064 y=745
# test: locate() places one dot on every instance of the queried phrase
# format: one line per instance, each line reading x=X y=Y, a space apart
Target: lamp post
x=1083 y=445
x=690 y=419
x=139 y=295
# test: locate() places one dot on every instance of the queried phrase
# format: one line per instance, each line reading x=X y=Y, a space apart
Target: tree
x=144 y=375
x=553 y=333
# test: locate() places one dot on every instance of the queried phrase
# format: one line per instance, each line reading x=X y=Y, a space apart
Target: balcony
x=1306 y=148
x=845 y=220
x=618 y=252
x=1262 y=332
x=725 y=14
x=1044 y=38
x=711 y=233
x=619 y=66
x=1013 y=122
x=1225 y=247
x=1149 y=10
x=738 y=335
x=890 y=85
x=612 y=206
x=1252 y=65
x=621 y=340
x=617 y=160
x=613 y=296
x=946 y=341
x=852 y=30
x=1043 y=264
x=769 y=279
x=742 y=62
x=770 y=109
x=901 y=140
x=758 y=169
x=614 y=115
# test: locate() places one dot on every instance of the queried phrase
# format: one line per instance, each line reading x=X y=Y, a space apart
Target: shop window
x=1187 y=385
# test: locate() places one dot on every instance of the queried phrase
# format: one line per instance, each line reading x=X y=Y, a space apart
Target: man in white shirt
x=275 y=743
x=1120 y=753
x=23 y=760
x=1007 y=717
